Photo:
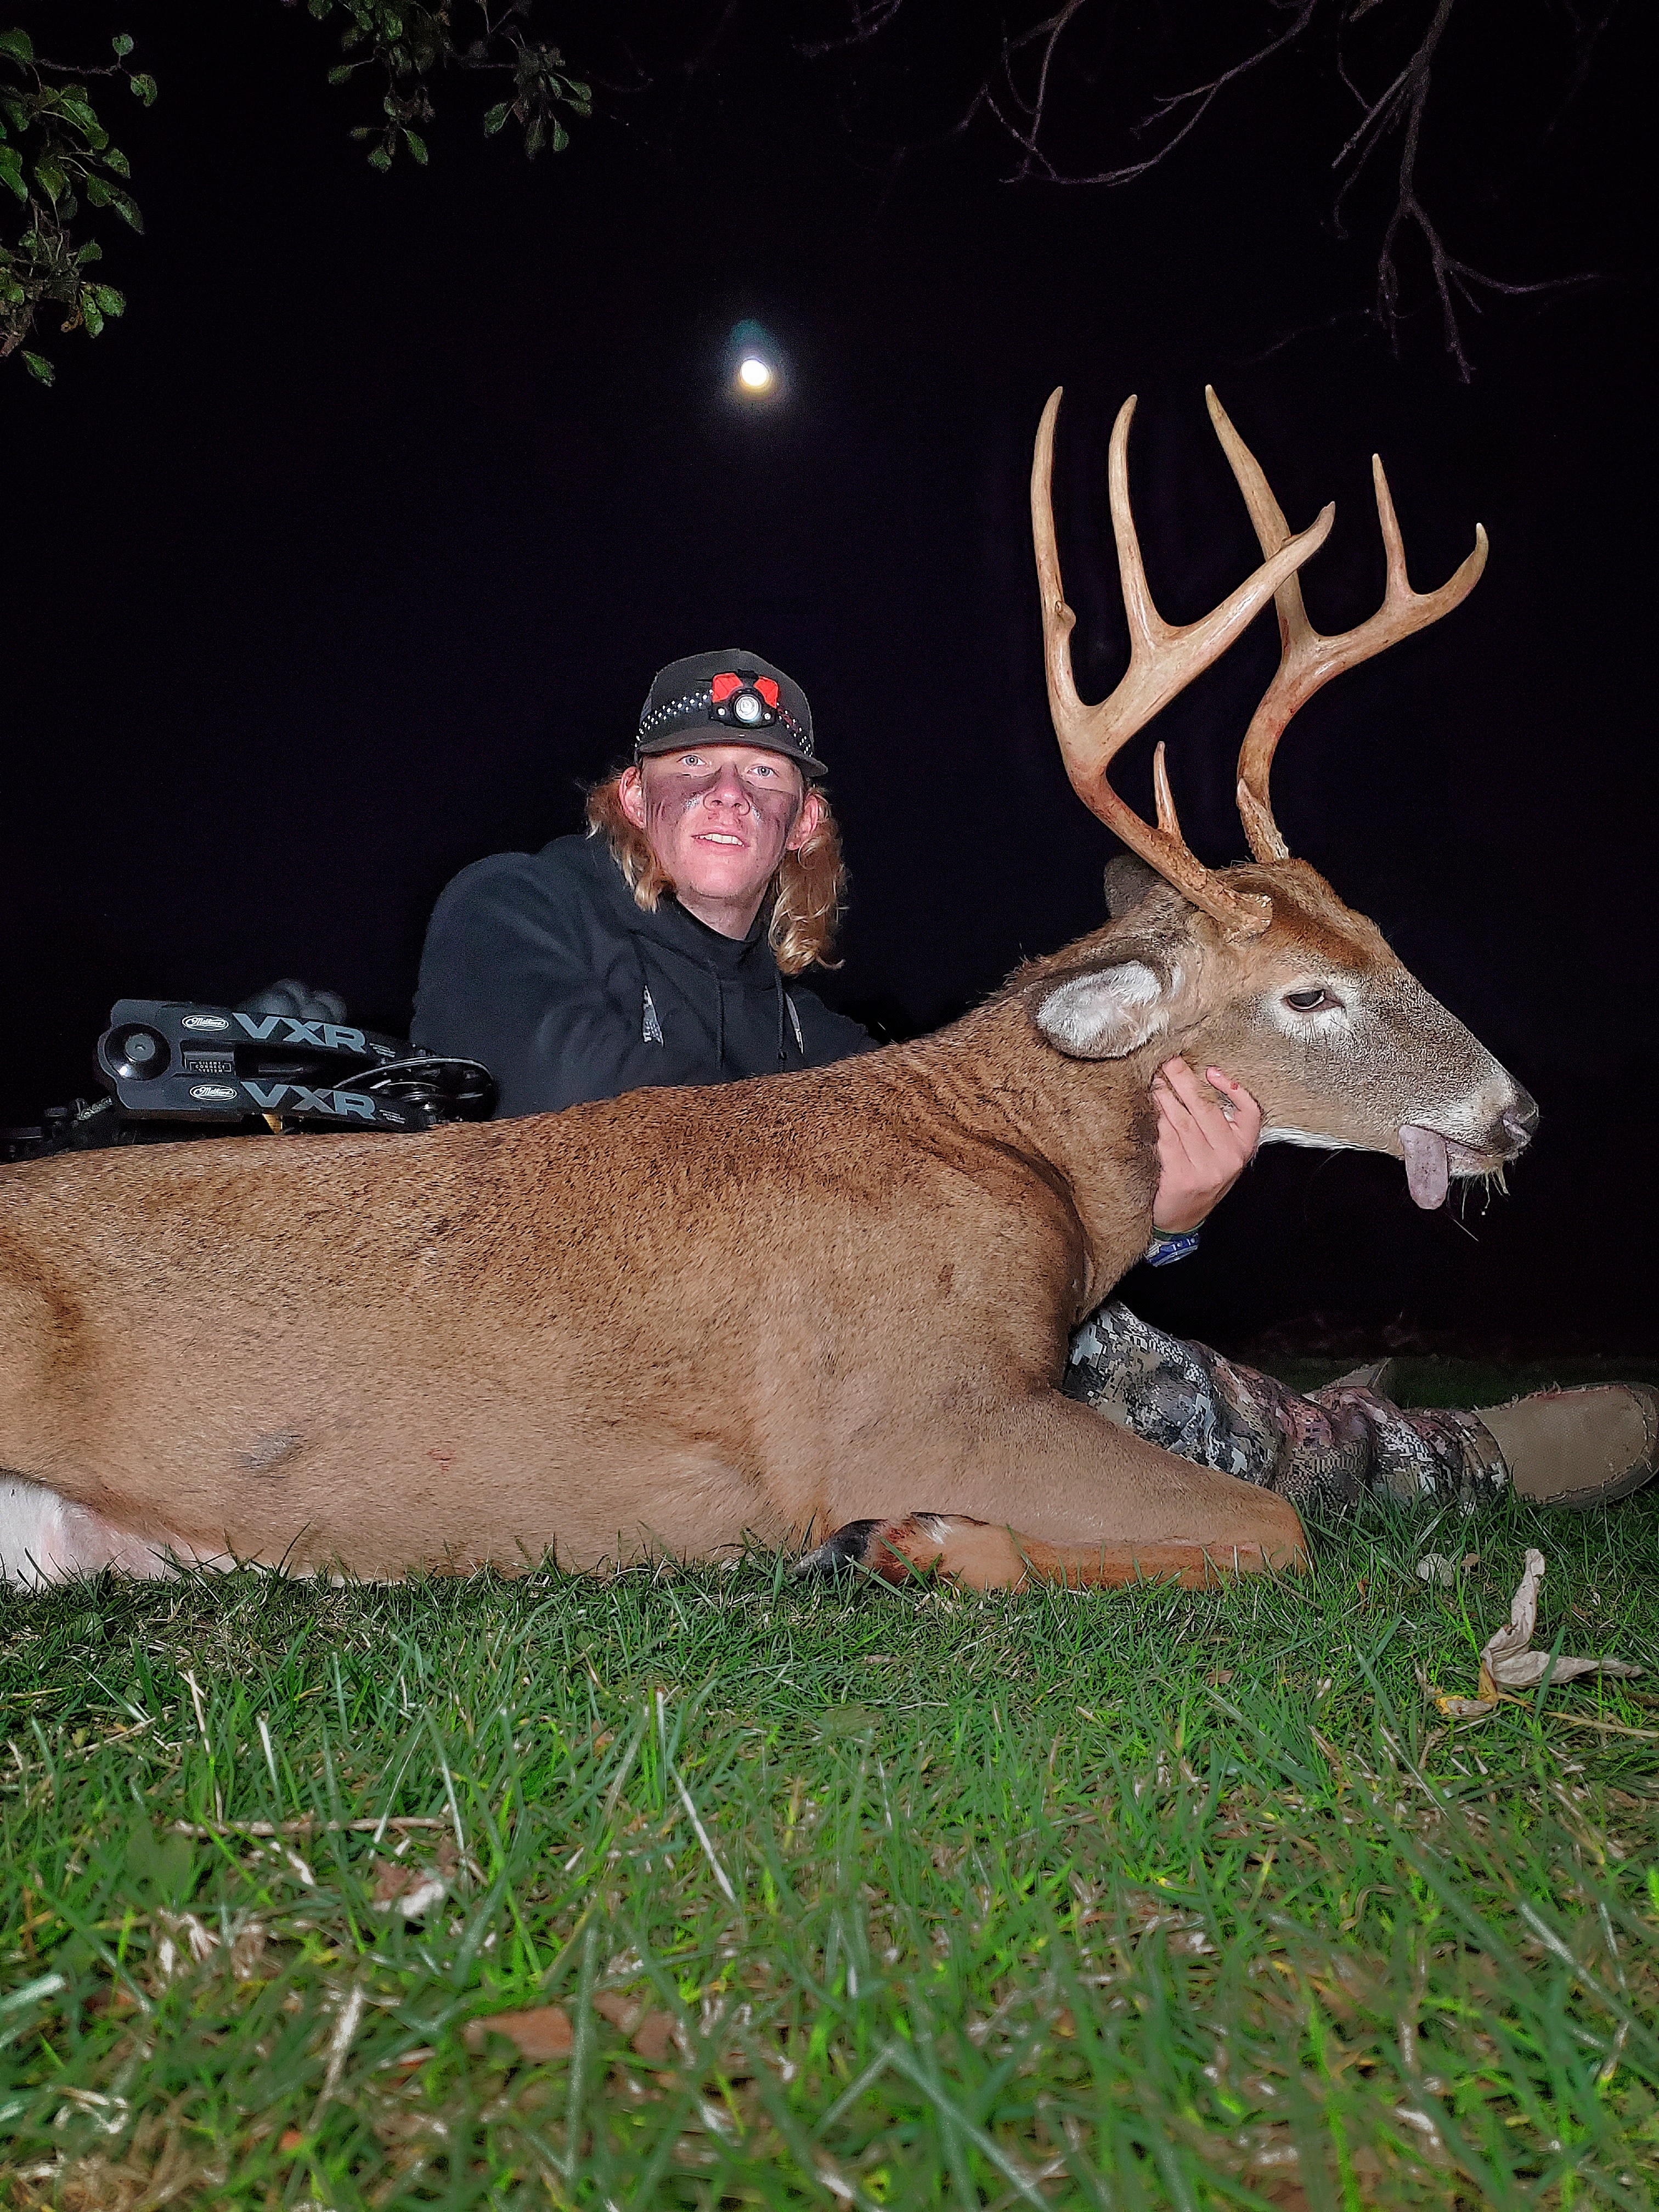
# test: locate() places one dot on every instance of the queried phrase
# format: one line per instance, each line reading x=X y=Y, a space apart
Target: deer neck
x=1087 y=1128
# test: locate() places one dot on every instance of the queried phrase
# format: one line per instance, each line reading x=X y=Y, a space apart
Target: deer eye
x=1310 y=1002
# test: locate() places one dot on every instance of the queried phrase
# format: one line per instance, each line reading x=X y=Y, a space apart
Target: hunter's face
x=720 y=818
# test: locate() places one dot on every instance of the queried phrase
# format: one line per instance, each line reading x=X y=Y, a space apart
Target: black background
x=348 y=554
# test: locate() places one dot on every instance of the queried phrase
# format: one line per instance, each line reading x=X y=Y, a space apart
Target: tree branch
x=1027 y=55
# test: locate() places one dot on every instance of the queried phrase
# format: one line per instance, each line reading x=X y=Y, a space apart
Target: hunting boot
x=1585 y=1447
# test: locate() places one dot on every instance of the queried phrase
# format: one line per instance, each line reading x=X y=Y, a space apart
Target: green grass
x=1133 y=1898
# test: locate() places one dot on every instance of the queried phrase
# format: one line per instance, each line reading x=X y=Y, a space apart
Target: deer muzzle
x=1431 y=1159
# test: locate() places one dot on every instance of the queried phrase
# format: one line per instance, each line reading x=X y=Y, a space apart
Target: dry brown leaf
x=1507 y=1659
x=544 y=2033
x=654 y=2037
x=412 y=1890
x=1509 y=1663
x=1466 y=1709
x=650 y=2033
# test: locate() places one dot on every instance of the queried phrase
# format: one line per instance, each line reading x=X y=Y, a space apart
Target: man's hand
x=1204 y=1144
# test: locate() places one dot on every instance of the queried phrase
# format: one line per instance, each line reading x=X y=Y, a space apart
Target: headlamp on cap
x=743 y=697
x=745 y=701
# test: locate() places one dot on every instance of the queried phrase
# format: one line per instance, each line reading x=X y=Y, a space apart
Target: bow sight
x=167 y=1062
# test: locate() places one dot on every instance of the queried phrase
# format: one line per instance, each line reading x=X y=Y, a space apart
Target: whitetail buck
x=773 y=1309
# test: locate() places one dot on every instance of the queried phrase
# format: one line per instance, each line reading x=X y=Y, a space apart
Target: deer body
x=680 y=1317
x=675 y=1317
x=776 y=1308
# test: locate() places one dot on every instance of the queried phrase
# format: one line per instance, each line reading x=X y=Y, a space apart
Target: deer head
x=1259 y=968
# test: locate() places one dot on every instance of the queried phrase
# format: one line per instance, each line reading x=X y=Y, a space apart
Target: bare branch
x=868 y=22
x=1019 y=91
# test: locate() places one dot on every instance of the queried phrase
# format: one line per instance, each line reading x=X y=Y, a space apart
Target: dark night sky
x=350 y=552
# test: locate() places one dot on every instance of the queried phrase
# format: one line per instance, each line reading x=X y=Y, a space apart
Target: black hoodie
x=541 y=965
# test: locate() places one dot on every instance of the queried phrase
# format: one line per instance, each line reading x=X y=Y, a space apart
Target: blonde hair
x=806 y=892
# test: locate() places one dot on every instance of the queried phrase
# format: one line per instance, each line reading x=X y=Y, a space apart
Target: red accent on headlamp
x=769 y=691
x=723 y=686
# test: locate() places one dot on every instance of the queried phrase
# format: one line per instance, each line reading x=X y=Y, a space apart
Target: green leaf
x=91 y=314
x=98 y=191
x=112 y=301
x=495 y=119
x=144 y=88
x=122 y=45
x=116 y=160
x=18 y=45
x=417 y=146
x=561 y=137
x=379 y=159
x=126 y=208
x=342 y=73
x=52 y=180
x=36 y=363
x=535 y=132
x=90 y=252
x=11 y=171
x=85 y=120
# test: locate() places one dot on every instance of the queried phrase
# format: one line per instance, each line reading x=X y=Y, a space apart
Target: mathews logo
x=205 y=1021
x=227 y=1091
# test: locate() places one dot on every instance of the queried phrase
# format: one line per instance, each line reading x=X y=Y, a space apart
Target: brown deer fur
x=684 y=1316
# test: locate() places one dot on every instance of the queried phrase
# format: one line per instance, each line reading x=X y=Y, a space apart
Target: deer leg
x=981 y=1556
x=1050 y=1493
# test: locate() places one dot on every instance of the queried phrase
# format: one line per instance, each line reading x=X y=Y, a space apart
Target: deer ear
x=1107 y=1014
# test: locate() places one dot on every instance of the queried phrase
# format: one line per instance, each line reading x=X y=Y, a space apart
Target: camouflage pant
x=1327 y=1450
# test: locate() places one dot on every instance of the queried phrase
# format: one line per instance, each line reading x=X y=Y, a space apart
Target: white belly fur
x=46 y=1538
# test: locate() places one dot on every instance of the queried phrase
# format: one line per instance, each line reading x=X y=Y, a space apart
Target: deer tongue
x=1426 y=1170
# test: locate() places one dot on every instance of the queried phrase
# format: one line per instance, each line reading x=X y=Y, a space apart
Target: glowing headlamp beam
x=755 y=374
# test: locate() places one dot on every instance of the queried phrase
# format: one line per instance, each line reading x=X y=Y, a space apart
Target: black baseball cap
x=727 y=698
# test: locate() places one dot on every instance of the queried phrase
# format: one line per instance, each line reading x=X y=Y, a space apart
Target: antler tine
x=1308 y=659
x=1162 y=797
x=1163 y=659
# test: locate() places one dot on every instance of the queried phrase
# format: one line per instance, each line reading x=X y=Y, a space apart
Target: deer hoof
x=900 y=1551
x=847 y=1548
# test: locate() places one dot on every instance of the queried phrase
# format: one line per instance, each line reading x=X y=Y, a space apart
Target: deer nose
x=1521 y=1119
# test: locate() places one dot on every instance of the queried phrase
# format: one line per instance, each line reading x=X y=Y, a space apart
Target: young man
x=655 y=950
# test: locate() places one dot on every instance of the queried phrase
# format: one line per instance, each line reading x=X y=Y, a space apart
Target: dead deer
x=687 y=1319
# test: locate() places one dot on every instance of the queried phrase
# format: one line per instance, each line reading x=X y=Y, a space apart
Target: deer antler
x=1163 y=659
x=1309 y=659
